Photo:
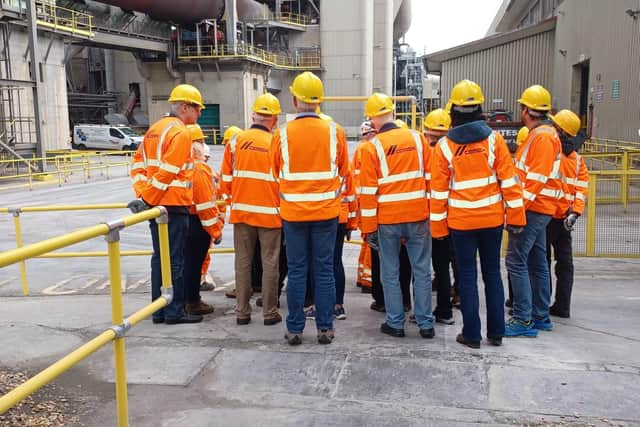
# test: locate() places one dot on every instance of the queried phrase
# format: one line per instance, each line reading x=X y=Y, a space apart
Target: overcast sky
x=441 y=24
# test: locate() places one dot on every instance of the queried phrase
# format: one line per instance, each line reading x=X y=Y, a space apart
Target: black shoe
x=386 y=329
x=508 y=303
x=365 y=290
x=157 y=320
x=428 y=333
x=377 y=307
x=186 y=318
x=462 y=340
x=554 y=311
x=497 y=341
x=243 y=320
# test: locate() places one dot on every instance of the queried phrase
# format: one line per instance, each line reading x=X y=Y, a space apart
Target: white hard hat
x=366 y=128
x=207 y=151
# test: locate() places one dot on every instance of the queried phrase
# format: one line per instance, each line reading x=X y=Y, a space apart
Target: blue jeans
x=466 y=246
x=528 y=269
x=178 y=230
x=418 y=243
x=310 y=244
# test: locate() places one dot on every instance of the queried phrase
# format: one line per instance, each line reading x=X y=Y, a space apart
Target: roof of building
x=433 y=61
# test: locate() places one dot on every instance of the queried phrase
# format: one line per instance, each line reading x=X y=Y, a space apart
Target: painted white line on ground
x=224 y=286
x=57 y=288
x=139 y=283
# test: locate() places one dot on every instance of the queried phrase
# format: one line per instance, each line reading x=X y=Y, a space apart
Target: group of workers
x=439 y=196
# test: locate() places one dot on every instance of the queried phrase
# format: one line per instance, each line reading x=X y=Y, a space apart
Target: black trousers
x=195 y=251
x=560 y=240
x=441 y=255
x=256 y=268
x=405 y=277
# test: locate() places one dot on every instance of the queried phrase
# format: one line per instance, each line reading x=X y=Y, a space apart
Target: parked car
x=498 y=116
x=105 y=137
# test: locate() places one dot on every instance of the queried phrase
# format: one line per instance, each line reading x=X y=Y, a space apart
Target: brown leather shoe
x=273 y=320
x=199 y=308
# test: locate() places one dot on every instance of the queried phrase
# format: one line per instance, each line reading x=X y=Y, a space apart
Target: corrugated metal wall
x=603 y=33
x=503 y=71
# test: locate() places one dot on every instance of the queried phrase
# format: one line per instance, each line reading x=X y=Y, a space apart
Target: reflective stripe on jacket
x=538 y=164
x=471 y=184
x=394 y=179
x=247 y=181
x=162 y=167
x=204 y=203
x=575 y=176
x=310 y=159
x=349 y=204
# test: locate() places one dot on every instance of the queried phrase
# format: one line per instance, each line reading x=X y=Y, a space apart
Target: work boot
x=243 y=320
x=293 y=339
x=325 y=336
x=273 y=320
x=386 y=329
x=185 y=318
x=231 y=293
x=472 y=344
x=199 y=308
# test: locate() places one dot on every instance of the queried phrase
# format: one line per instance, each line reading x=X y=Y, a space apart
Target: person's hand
x=372 y=240
x=514 y=229
x=137 y=206
x=570 y=221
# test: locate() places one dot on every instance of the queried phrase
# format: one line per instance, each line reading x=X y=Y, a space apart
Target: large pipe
x=402 y=21
x=191 y=11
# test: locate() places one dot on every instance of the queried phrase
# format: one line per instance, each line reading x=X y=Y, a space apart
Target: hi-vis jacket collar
x=388 y=126
x=469 y=132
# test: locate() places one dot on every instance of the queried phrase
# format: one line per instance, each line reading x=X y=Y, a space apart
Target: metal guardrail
x=301 y=60
x=603 y=145
x=120 y=326
x=293 y=19
x=59 y=167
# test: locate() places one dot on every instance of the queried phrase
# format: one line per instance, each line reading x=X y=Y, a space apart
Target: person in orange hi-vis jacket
x=309 y=157
x=363 y=279
x=436 y=125
x=576 y=176
x=247 y=182
x=205 y=225
x=206 y=282
x=161 y=174
x=369 y=259
x=474 y=193
x=394 y=208
x=538 y=165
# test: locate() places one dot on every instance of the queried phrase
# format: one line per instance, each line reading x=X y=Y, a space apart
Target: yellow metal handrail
x=604 y=145
x=120 y=326
x=62 y=19
x=303 y=59
x=293 y=18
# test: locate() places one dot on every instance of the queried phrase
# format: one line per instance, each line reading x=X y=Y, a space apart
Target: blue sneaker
x=518 y=328
x=340 y=313
x=543 y=325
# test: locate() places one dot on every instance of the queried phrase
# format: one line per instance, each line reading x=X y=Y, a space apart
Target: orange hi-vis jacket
x=247 y=179
x=575 y=176
x=538 y=164
x=470 y=185
x=356 y=162
x=349 y=205
x=394 y=178
x=309 y=158
x=204 y=202
x=162 y=167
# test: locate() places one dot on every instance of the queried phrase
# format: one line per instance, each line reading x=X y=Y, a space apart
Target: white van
x=105 y=137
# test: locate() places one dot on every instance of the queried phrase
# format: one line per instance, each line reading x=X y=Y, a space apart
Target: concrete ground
x=585 y=372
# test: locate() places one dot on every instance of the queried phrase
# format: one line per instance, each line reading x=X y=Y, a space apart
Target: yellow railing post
x=23 y=266
x=413 y=115
x=624 y=180
x=119 y=356
x=591 y=215
x=165 y=258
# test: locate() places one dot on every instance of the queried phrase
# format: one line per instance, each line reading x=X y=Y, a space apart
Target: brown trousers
x=244 y=242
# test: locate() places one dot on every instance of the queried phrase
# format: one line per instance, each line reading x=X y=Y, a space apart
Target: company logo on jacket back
x=465 y=150
x=395 y=150
x=249 y=146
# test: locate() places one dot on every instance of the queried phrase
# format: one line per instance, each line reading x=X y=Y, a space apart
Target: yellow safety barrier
x=61 y=166
x=603 y=145
x=414 y=109
x=303 y=60
x=120 y=326
x=293 y=18
x=49 y=15
x=15 y=212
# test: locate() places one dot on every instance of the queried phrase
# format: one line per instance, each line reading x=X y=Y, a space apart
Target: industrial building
x=586 y=52
x=117 y=60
